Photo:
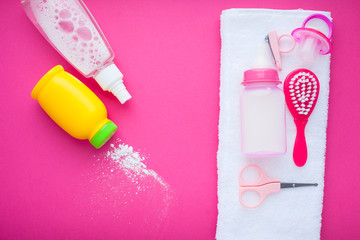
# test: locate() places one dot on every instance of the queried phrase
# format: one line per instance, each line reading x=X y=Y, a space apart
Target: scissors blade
x=293 y=185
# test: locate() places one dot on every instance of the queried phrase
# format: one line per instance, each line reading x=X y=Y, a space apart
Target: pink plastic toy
x=274 y=43
x=301 y=89
x=312 y=42
x=263 y=185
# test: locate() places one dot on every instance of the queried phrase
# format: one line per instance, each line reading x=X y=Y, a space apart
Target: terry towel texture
x=291 y=213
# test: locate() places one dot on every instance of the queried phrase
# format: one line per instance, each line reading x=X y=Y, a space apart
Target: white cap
x=111 y=79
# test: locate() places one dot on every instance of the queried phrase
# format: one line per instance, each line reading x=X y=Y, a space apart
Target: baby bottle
x=74 y=107
x=262 y=109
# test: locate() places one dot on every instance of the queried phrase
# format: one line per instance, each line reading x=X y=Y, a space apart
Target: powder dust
x=124 y=186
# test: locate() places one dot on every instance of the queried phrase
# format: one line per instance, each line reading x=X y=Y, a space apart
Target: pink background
x=169 y=52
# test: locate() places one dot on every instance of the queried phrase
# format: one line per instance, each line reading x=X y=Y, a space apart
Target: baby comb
x=301 y=89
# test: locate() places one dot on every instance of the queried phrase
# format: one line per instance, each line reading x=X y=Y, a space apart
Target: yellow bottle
x=74 y=107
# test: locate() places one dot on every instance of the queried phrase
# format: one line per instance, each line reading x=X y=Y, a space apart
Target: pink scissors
x=263 y=186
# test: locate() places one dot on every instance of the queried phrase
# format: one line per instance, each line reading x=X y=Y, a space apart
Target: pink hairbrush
x=301 y=89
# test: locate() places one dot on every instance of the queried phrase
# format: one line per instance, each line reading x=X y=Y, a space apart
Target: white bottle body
x=263 y=127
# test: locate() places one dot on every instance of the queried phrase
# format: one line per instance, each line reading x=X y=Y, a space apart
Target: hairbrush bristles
x=303 y=89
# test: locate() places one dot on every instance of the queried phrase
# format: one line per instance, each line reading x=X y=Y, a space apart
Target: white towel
x=292 y=213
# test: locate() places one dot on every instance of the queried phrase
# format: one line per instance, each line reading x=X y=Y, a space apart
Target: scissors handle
x=263 y=185
x=263 y=191
x=261 y=180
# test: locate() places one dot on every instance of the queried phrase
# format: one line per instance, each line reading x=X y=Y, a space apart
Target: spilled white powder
x=124 y=157
x=124 y=187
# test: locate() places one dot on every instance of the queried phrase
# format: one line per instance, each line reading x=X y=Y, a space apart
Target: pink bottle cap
x=257 y=75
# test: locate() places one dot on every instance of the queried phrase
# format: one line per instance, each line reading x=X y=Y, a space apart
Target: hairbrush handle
x=300 y=148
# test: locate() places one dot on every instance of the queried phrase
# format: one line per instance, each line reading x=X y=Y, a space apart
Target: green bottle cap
x=103 y=135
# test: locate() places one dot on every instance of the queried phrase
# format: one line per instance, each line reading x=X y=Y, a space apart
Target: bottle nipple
x=261 y=57
x=262 y=70
x=309 y=49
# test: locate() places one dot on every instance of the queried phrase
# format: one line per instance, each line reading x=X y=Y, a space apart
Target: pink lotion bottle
x=71 y=29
